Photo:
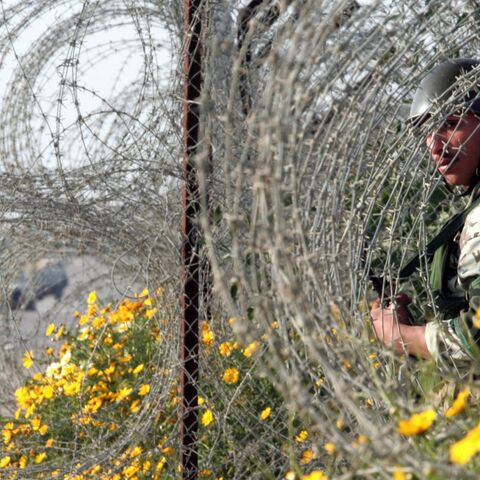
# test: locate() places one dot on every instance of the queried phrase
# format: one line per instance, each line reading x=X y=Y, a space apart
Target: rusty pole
x=190 y=241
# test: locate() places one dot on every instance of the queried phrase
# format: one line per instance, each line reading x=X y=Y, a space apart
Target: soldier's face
x=455 y=148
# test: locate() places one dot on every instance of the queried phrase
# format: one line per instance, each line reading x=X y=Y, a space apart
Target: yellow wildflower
x=48 y=391
x=135 y=406
x=315 y=475
x=231 y=375
x=5 y=462
x=126 y=358
x=131 y=470
x=346 y=364
x=201 y=400
x=86 y=420
x=147 y=465
x=136 y=452
x=92 y=311
x=476 y=320
x=138 y=369
x=50 y=329
x=66 y=358
x=7 y=435
x=93 y=405
x=398 y=473
x=329 y=448
x=207 y=418
x=43 y=429
x=463 y=450
x=60 y=331
x=72 y=388
x=28 y=359
x=22 y=461
x=40 y=457
x=160 y=465
x=459 y=403
x=251 y=349
x=144 y=389
x=95 y=469
x=123 y=393
x=167 y=450
x=225 y=349
x=302 y=436
x=36 y=422
x=208 y=337
x=99 y=322
x=307 y=457
x=64 y=348
x=50 y=443
x=143 y=293
x=266 y=412
x=417 y=424
x=92 y=297
x=150 y=312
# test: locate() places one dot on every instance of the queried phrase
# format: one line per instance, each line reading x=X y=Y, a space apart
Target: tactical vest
x=438 y=252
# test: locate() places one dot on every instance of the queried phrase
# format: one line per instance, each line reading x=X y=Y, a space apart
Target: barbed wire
x=322 y=183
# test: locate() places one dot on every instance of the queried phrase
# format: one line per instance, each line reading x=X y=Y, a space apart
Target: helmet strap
x=467 y=191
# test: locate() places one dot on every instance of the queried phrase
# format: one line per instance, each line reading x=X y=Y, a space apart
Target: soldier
x=454 y=146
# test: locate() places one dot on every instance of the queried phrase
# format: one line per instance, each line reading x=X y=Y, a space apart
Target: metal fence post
x=190 y=239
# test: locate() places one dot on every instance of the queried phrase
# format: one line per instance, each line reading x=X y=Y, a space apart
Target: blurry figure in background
x=454 y=146
x=37 y=283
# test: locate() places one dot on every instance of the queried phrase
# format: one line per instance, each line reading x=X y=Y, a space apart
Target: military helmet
x=439 y=83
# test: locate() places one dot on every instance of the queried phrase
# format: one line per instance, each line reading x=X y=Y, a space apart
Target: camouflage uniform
x=454 y=336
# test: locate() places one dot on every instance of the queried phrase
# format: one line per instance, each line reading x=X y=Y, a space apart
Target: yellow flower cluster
x=463 y=450
x=231 y=375
x=226 y=349
x=307 y=457
x=417 y=423
x=93 y=379
x=207 y=418
x=208 y=337
x=315 y=475
x=266 y=412
x=99 y=370
x=459 y=403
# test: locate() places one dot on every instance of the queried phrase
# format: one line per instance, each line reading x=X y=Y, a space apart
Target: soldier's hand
x=398 y=309
x=392 y=327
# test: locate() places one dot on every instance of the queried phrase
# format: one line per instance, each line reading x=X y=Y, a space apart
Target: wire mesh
x=309 y=184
